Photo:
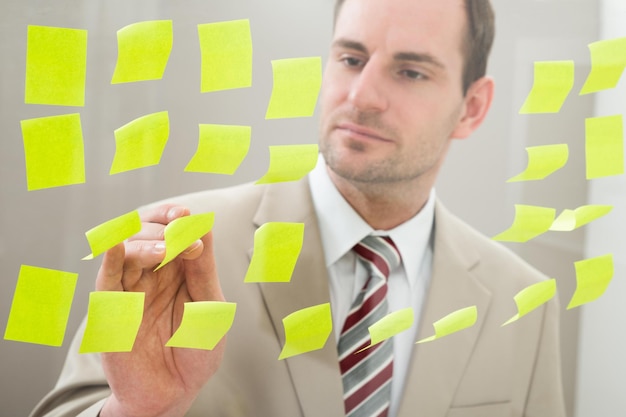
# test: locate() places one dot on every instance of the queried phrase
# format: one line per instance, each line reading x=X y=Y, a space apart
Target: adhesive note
x=221 y=149
x=543 y=161
x=143 y=50
x=113 y=320
x=108 y=234
x=533 y=297
x=552 y=84
x=290 y=163
x=297 y=82
x=570 y=220
x=604 y=146
x=530 y=222
x=54 y=151
x=204 y=324
x=277 y=246
x=41 y=306
x=608 y=59
x=389 y=326
x=184 y=231
x=56 y=66
x=592 y=279
x=140 y=143
x=226 y=51
x=453 y=322
x=306 y=330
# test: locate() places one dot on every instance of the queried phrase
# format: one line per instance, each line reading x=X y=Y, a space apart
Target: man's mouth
x=358 y=131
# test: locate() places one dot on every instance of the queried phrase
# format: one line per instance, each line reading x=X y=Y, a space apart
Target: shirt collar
x=341 y=227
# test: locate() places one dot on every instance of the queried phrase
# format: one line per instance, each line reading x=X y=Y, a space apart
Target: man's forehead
x=445 y=15
x=408 y=8
x=405 y=26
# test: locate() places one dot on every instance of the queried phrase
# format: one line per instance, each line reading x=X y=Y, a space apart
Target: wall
x=602 y=368
x=46 y=228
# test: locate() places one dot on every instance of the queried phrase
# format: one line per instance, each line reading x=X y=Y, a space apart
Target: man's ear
x=477 y=103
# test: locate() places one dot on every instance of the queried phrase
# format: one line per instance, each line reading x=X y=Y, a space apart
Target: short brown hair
x=477 y=44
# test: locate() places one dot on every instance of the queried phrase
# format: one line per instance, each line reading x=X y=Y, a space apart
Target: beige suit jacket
x=484 y=371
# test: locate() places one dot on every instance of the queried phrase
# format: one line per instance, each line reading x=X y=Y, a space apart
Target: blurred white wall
x=602 y=366
x=46 y=228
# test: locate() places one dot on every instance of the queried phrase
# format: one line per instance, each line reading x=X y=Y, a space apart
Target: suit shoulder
x=493 y=261
x=226 y=199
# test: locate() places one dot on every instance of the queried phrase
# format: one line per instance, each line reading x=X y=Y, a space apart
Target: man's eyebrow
x=349 y=44
x=418 y=57
x=400 y=56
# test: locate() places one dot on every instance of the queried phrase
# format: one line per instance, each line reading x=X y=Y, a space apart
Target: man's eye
x=413 y=75
x=351 y=61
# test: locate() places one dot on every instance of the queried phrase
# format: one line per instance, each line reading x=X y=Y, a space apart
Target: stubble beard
x=378 y=172
x=398 y=168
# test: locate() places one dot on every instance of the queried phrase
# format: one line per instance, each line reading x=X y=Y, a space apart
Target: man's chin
x=357 y=173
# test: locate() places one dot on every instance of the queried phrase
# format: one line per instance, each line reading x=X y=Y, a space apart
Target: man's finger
x=111 y=270
x=143 y=254
x=163 y=213
x=201 y=274
x=193 y=251
x=122 y=259
x=150 y=231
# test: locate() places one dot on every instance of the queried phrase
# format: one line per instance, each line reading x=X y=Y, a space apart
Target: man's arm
x=81 y=387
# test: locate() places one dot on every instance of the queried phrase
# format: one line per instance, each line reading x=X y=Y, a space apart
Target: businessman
x=404 y=78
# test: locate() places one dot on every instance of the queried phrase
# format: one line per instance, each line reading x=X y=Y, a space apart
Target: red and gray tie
x=367 y=375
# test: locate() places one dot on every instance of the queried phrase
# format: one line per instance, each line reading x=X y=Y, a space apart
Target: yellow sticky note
x=530 y=222
x=54 y=151
x=182 y=232
x=113 y=320
x=226 y=50
x=306 y=330
x=277 y=246
x=297 y=82
x=552 y=84
x=290 y=163
x=41 y=306
x=533 y=297
x=592 y=279
x=604 y=146
x=140 y=143
x=108 y=234
x=56 y=66
x=221 y=149
x=543 y=161
x=608 y=59
x=569 y=220
x=204 y=324
x=453 y=322
x=390 y=325
x=143 y=50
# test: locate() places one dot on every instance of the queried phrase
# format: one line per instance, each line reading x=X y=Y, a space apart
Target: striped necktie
x=367 y=375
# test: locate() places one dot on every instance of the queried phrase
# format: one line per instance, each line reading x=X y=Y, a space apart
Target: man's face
x=392 y=92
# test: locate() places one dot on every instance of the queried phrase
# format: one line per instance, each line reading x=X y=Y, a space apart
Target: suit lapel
x=437 y=367
x=315 y=375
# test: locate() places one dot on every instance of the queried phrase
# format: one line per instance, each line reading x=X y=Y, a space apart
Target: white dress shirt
x=341 y=228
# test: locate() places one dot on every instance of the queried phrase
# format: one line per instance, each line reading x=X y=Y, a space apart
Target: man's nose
x=367 y=92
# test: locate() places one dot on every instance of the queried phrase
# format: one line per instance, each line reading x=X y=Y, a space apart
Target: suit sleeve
x=545 y=396
x=81 y=389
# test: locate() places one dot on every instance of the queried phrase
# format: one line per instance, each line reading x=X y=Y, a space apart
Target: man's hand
x=154 y=380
